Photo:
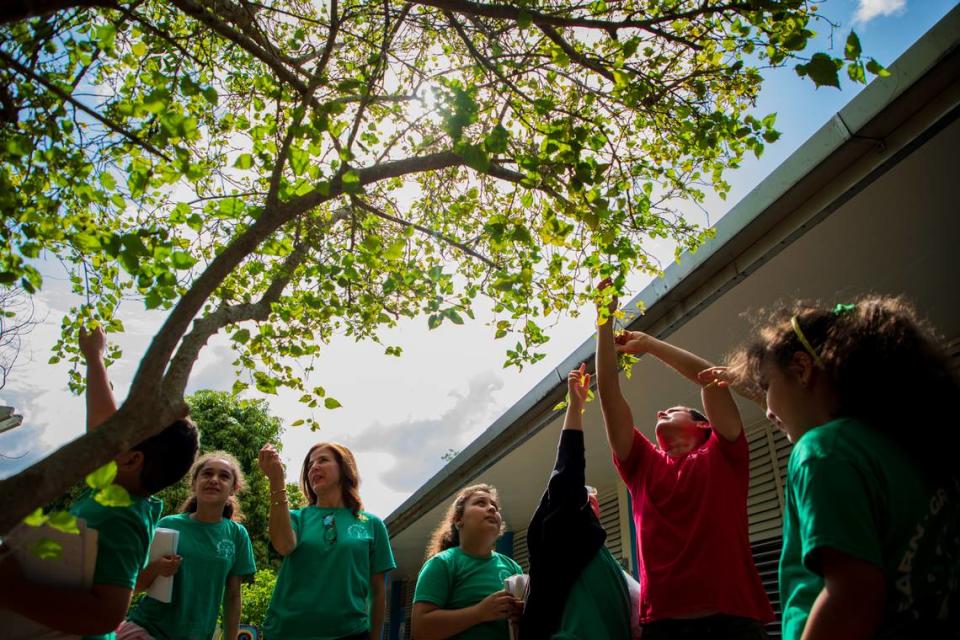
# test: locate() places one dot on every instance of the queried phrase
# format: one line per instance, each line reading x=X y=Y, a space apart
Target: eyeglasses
x=330 y=528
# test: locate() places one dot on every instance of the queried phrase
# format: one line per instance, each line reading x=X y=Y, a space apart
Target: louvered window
x=769 y=450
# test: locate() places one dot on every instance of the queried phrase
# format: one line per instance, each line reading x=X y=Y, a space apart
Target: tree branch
x=66 y=97
x=422 y=229
x=509 y=12
x=574 y=55
x=178 y=374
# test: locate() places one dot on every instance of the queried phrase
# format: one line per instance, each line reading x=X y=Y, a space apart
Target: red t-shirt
x=691 y=518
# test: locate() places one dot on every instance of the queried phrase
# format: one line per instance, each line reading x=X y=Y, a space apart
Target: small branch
x=422 y=229
x=60 y=93
x=509 y=12
x=575 y=55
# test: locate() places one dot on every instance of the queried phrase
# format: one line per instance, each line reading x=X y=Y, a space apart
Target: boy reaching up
x=123 y=533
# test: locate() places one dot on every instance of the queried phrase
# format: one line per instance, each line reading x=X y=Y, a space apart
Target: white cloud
x=867 y=10
x=417 y=444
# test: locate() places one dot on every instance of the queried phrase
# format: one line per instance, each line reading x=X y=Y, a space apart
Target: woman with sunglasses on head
x=331 y=584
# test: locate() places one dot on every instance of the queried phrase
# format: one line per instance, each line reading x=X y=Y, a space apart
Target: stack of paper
x=517 y=587
x=74 y=568
x=164 y=544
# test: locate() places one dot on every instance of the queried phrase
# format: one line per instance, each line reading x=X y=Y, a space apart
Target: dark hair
x=167 y=456
x=447 y=535
x=881 y=359
x=231 y=508
x=699 y=417
x=349 y=476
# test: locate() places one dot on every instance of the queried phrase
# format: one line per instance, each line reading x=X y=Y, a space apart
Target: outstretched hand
x=631 y=342
x=723 y=378
x=614 y=302
x=578 y=386
x=92 y=343
x=269 y=462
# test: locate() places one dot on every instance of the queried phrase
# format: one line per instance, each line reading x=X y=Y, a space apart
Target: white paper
x=164 y=544
x=74 y=568
x=517 y=587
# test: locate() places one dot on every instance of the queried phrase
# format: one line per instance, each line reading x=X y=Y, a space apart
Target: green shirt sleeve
x=433 y=584
x=122 y=545
x=243 y=563
x=381 y=555
x=295 y=517
x=835 y=509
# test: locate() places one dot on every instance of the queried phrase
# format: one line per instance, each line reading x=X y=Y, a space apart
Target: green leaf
x=241 y=336
x=331 y=403
x=496 y=140
x=102 y=477
x=475 y=157
x=35 y=519
x=244 y=161
x=524 y=19
x=351 y=182
x=822 y=69
x=852 y=51
x=46 y=549
x=113 y=496
x=182 y=260
x=877 y=69
x=64 y=521
x=108 y=181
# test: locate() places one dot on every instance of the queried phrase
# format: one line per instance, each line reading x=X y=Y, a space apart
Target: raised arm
x=282 y=537
x=617 y=417
x=718 y=403
x=100 y=402
x=566 y=484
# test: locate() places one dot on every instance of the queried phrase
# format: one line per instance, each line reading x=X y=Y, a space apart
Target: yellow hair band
x=806 y=343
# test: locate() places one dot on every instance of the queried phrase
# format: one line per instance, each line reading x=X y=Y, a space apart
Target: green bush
x=256 y=597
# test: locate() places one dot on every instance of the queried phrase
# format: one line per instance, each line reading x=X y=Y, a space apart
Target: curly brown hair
x=349 y=476
x=882 y=359
x=447 y=535
x=231 y=510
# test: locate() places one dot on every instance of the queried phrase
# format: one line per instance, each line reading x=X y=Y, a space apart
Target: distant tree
x=240 y=427
x=17 y=319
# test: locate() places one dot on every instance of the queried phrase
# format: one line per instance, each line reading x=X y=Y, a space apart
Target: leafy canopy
x=332 y=167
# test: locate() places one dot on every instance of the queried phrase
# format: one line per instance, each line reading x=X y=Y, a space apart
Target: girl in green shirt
x=460 y=592
x=871 y=529
x=331 y=585
x=213 y=554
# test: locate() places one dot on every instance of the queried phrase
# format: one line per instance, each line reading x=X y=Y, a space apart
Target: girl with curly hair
x=460 y=592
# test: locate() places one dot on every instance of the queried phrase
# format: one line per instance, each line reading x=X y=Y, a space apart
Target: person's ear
x=130 y=461
x=801 y=367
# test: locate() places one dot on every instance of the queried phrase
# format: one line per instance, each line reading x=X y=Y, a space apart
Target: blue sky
x=401 y=414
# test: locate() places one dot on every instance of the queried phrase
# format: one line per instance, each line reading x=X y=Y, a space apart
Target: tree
x=239 y=427
x=288 y=171
x=17 y=319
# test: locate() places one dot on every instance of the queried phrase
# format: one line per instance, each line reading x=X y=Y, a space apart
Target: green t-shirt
x=123 y=540
x=211 y=552
x=599 y=604
x=850 y=488
x=453 y=579
x=323 y=588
